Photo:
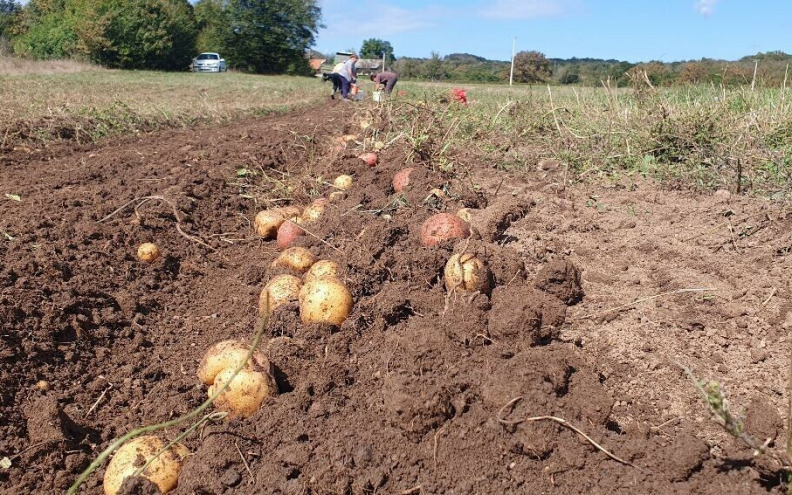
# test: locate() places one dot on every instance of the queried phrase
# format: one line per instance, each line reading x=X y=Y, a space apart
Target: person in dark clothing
x=386 y=80
x=335 y=78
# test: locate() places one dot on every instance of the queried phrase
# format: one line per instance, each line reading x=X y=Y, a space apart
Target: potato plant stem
x=261 y=326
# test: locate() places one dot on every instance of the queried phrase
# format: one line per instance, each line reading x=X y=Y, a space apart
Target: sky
x=627 y=30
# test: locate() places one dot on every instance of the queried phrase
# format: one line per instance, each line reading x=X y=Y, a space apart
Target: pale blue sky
x=631 y=30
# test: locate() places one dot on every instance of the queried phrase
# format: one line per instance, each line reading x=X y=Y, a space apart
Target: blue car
x=209 y=62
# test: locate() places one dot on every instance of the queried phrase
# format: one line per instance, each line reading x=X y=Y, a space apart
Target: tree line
x=533 y=67
x=263 y=36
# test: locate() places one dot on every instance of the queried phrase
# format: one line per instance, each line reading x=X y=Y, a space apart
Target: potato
x=288 y=232
x=323 y=269
x=371 y=159
x=226 y=354
x=325 y=300
x=443 y=227
x=148 y=252
x=281 y=290
x=402 y=179
x=163 y=471
x=298 y=259
x=343 y=182
x=267 y=222
x=337 y=196
x=244 y=394
x=465 y=214
x=466 y=272
x=314 y=212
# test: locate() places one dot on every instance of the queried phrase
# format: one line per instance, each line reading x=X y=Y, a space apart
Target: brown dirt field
x=418 y=391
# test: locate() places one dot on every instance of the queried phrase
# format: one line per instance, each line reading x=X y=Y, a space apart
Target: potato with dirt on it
x=467 y=273
x=314 y=212
x=163 y=471
x=402 y=179
x=325 y=300
x=267 y=222
x=227 y=354
x=465 y=214
x=298 y=259
x=148 y=252
x=279 y=291
x=343 y=182
x=443 y=227
x=323 y=269
x=288 y=232
x=245 y=393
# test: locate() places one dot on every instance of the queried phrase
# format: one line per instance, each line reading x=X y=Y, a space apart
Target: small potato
x=465 y=214
x=297 y=258
x=281 y=290
x=163 y=471
x=325 y=300
x=226 y=354
x=148 y=252
x=288 y=232
x=466 y=272
x=443 y=227
x=337 y=196
x=402 y=179
x=245 y=392
x=323 y=269
x=343 y=182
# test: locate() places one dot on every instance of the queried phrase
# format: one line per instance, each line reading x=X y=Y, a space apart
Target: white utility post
x=511 y=74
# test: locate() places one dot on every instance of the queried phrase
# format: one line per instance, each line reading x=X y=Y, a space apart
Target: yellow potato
x=226 y=354
x=325 y=300
x=244 y=394
x=465 y=214
x=163 y=471
x=343 y=182
x=322 y=269
x=336 y=196
x=314 y=212
x=148 y=252
x=281 y=290
x=467 y=273
x=298 y=259
x=267 y=222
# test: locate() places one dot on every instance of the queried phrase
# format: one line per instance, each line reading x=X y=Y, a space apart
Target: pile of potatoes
x=314 y=284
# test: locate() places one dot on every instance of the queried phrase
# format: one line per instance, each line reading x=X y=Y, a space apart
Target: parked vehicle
x=209 y=62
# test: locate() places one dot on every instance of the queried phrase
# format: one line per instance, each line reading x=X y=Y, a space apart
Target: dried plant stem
x=563 y=423
x=261 y=326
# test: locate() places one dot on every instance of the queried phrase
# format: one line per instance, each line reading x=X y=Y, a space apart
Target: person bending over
x=348 y=75
x=336 y=78
x=386 y=80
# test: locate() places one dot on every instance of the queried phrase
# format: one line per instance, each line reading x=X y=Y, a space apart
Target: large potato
x=163 y=471
x=245 y=392
x=466 y=272
x=297 y=258
x=281 y=290
x=443 y=227
x=226 y=354
x=325 y=300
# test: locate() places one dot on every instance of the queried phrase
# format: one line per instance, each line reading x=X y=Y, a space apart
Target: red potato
x=443 y=227
x=288 y=232
x=371 y=159
x=267 y=222
x=402 y=179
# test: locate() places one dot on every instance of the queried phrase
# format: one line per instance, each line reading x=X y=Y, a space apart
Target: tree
x=375 y=48
x=531 y=67
x=138 y=34
x=271 y=36
x=215 y=32
x=46 y=30
x=9 y=10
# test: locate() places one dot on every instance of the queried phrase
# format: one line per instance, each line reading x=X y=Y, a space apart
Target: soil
x=592 y=318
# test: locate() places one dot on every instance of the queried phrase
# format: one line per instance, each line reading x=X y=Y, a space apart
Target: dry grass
x=12 y=66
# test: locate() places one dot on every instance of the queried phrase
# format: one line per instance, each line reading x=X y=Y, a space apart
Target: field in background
x=702 y=136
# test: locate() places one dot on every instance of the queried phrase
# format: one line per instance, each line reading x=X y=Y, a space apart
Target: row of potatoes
x=322 y=297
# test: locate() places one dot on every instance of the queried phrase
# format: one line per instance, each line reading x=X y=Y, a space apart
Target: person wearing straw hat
x=385 y=80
